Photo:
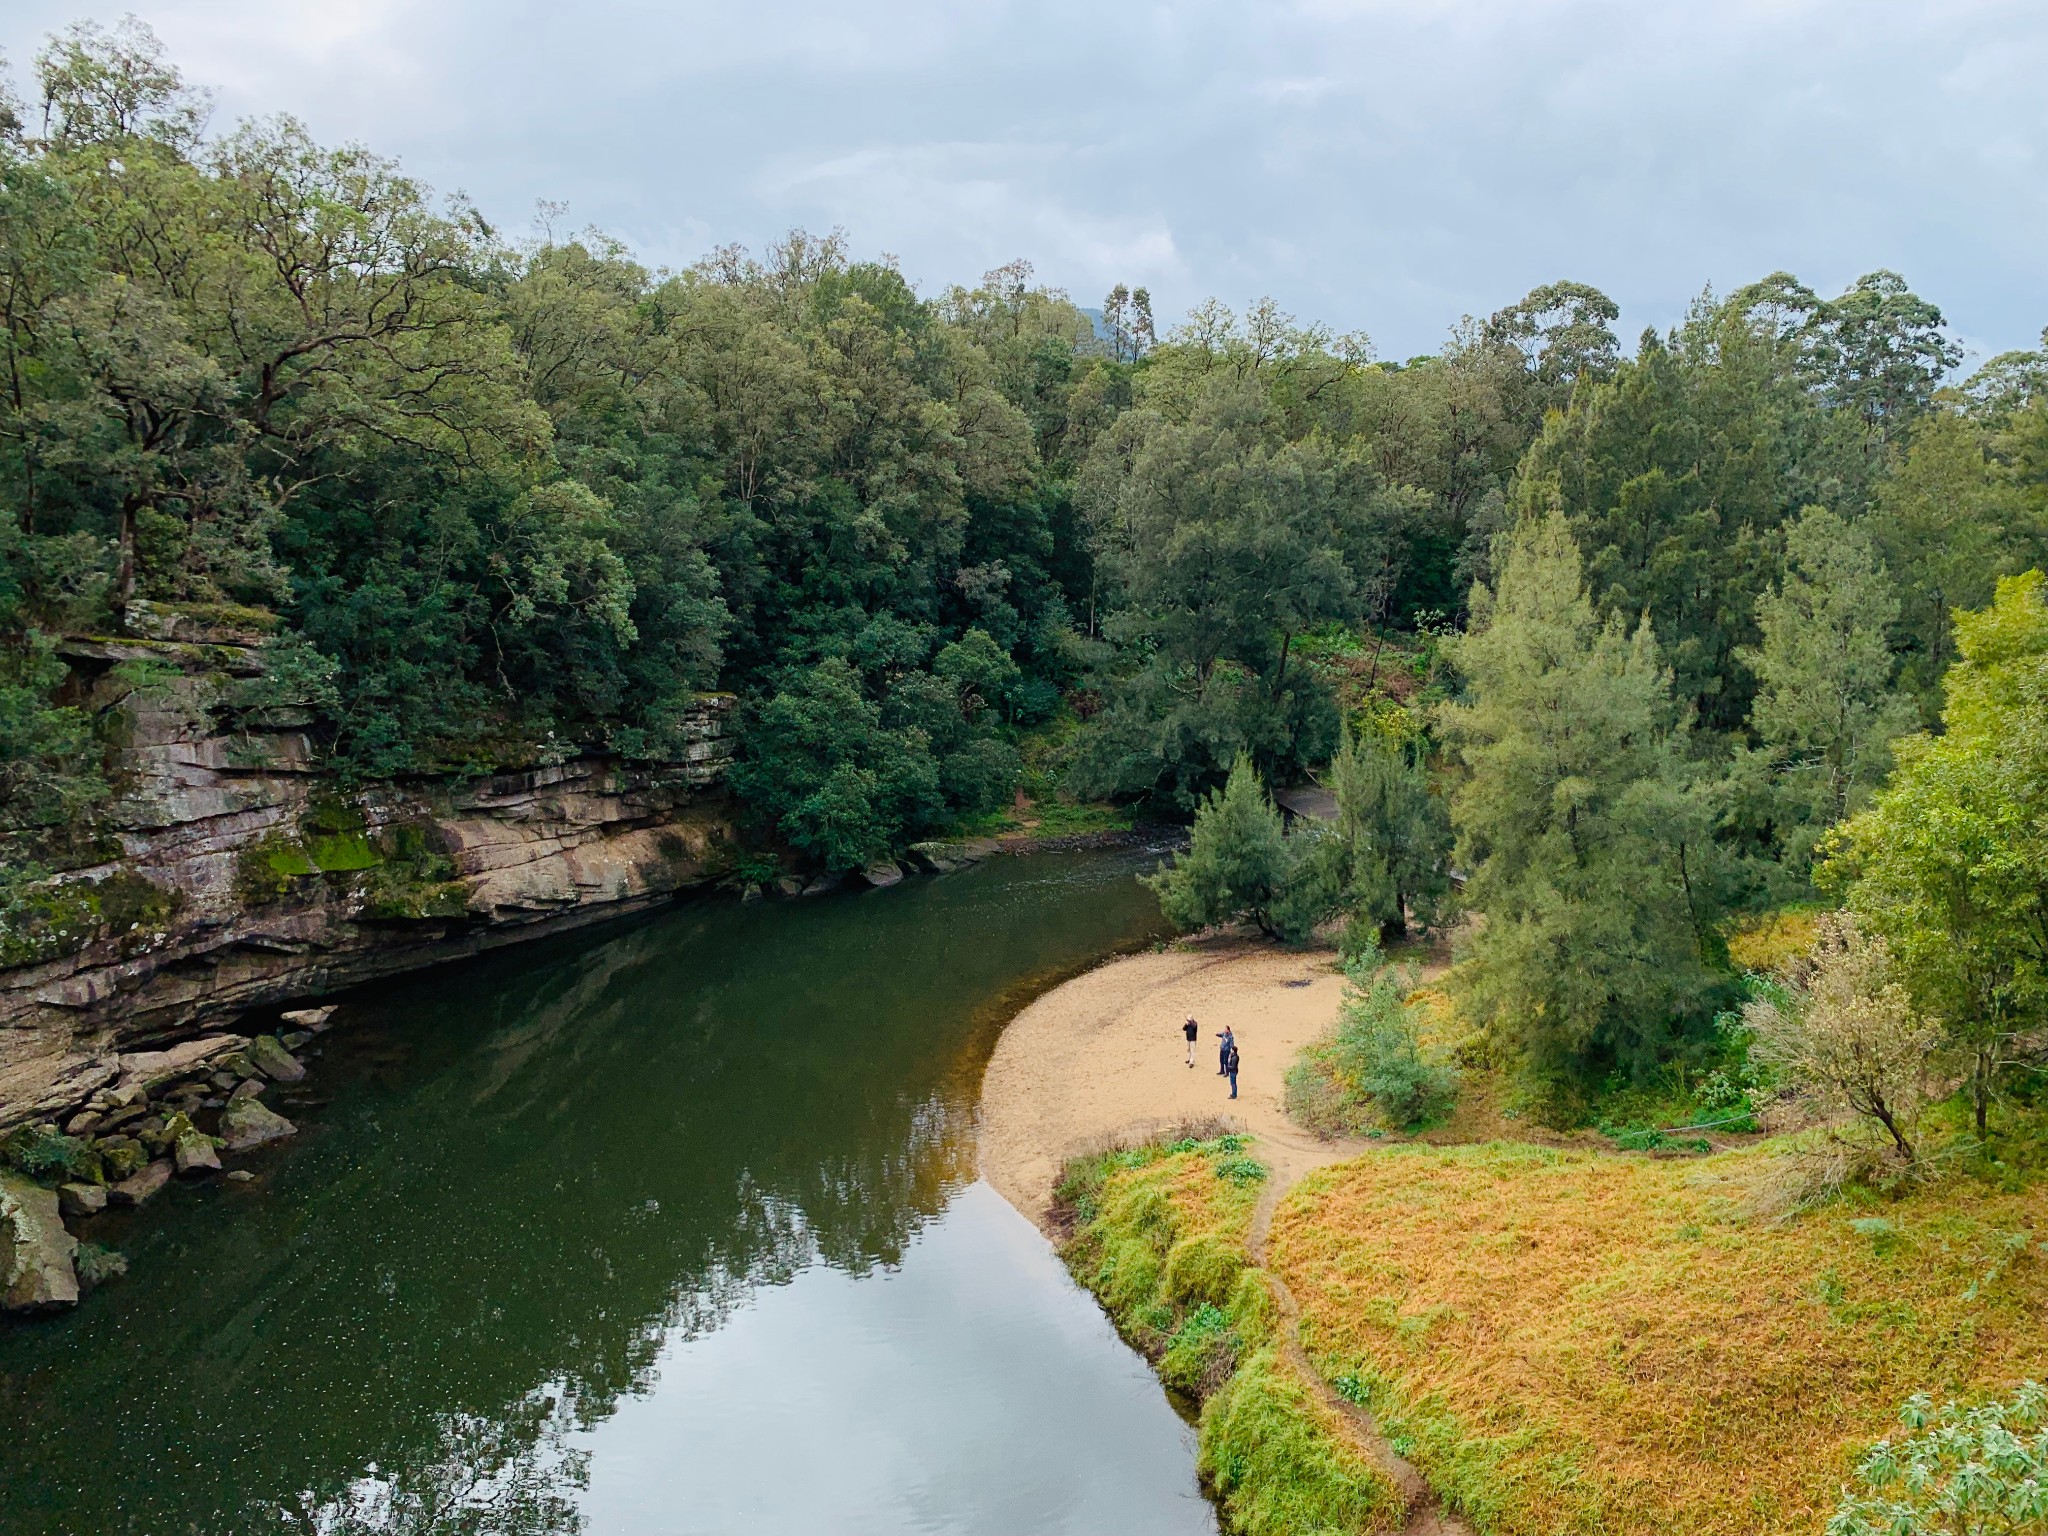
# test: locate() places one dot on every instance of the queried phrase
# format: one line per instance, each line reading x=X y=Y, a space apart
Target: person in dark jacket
x=1193 y=1031
x=1225 y=1044
x=1230 y=1064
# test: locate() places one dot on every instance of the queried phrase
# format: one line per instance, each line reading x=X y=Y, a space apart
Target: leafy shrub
x=1374 y=1067
x=96 y=1265
x=1842 y=1029
x=43 y=1152
x=1960 y=1472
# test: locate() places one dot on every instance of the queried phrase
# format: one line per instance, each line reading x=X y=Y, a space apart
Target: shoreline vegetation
x=1558 y=1334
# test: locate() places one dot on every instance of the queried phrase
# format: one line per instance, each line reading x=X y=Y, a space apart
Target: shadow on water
x=531 y=1175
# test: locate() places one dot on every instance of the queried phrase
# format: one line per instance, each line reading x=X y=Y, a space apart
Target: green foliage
x=43 y=1152
x=96 y=1265
x=1958 y=1471
x=1589 y=849
x=1950 y=862
x=1238 y=859
x=1825 y=708
x=1373 y=1070
x=1395 y=831
x=49 y=761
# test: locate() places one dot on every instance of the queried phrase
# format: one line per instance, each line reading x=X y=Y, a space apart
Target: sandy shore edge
x=1102 y=1058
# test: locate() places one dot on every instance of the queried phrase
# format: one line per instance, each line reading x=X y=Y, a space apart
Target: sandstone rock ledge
x=260 y=881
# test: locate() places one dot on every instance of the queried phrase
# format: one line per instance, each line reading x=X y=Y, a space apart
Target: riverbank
x=1159 y=1189
x=1545 y=1334
x=1101 y=1060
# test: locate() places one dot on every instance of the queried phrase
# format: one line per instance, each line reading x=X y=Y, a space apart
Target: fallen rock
x=240 y=1176
x=120 y=1156
x=274 y=1061
x=84 y=1123
x=247 y=1123
x=789 y=885
x=883 y=874
x=81 y=1199
x=311 y=1020
x=824 y=883
x=294 y=1040
x=36 y=1253
x=238 y=1064
x=141 y=1188
x=224 y=1081
x=113 y=1120
x=248 y=1088
x=145 y=1069
x=194 y=1153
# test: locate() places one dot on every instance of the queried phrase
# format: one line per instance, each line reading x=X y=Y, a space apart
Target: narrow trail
x=1298 y=1157
x=1100 y=1060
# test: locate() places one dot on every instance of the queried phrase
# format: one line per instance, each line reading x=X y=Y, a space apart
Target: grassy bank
x=1574 y=1342
x=1158 y=1234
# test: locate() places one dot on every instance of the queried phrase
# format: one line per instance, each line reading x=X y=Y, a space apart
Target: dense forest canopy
x=500 y=501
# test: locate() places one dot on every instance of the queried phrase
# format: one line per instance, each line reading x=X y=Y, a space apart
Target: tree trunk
x=124 y=573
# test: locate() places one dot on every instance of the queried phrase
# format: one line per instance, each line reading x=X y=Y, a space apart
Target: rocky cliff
x=234 y=874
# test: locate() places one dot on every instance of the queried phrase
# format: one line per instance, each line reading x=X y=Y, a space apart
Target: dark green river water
x=669 y=1228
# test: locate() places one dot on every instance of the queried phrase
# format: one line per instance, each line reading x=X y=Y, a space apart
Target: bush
x=1374 y=1067
x=96 y=1265
x=43 y=1152
x=1960 y=1472
x=1841 y=1029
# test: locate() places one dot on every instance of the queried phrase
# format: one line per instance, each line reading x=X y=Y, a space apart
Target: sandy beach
x=1102 y=1059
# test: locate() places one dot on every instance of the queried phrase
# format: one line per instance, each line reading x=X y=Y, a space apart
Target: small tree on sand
x=1237 y=863
x=1841 y=1028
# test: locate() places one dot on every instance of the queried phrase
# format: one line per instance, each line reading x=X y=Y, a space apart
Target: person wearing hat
x=1194 y=1032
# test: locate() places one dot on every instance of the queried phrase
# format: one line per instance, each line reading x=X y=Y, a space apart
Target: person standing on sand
x=1192 y=1030
x=1230 y=1064
x=1226 y=1043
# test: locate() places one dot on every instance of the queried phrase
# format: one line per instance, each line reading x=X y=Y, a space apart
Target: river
x=665 y=1229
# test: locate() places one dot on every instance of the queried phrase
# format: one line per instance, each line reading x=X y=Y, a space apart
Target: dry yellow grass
x=1570 y=1342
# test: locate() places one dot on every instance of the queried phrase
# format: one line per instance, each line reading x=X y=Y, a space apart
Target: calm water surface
x=670 y=1228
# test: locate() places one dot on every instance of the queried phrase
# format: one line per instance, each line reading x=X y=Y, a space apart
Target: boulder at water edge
x=247 y=1123
x=141 y=1188
x=274 y=1061
x=883 y=874
x=193 y=1153
x=311 y=1020
x=36 y=1271
x=81 y=1199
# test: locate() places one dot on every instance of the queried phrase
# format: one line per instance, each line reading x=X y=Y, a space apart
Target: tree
x=1949 y=524
x=1950 y=862
x=1397 y=834
x=1825 y=706
x=1226 y=542
x=1587 y=849
x=1841 y=1027
x=1237 y=863
x=1373 y=1061
x=837 y=783
x=1564 y=332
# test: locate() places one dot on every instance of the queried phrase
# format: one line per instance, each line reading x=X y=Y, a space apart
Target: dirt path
x=1102 y=1060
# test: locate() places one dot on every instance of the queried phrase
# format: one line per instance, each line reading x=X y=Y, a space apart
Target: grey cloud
x=1385 y=165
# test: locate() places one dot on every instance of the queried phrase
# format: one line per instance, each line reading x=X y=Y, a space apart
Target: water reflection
x=535 y=1176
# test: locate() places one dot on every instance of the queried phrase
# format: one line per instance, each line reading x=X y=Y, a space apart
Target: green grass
x=1158 y=1234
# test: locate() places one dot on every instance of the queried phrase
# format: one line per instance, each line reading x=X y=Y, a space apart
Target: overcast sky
x=1384 y=165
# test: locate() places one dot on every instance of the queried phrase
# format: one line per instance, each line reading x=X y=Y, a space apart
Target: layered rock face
x=233 y=873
